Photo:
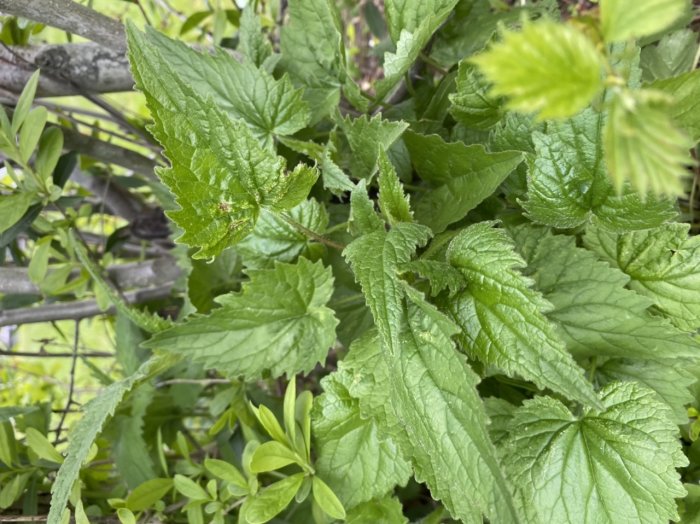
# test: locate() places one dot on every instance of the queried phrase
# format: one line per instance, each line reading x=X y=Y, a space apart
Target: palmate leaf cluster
x=478 y=269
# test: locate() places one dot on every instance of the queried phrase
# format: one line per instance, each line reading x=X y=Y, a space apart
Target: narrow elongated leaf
x=393 y=202
x=598 y=316
x=357 y=461
x=502 y=318
x=462 y=176
x=533 y=69
x=86 y=430
x=611 y=465
x=664 y=264
x=624 y=19
x=568 y=184
x=278 y=322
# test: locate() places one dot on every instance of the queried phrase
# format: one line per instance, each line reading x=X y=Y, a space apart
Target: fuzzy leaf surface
x=568 y=184
x=462 y=177
x=502 y=318
x=614 y=465
x=597 y=315
x=220 y=174
x=278 y=322
x=664 y=264
x=353 y=457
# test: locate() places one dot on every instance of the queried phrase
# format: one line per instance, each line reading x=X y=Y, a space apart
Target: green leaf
x=625 y=19
x=409 y=15
x=367 y=136
x=610 y=465
x=40 y=445
x=24 y=102
x=663 y=263
x=642 y=145
x=669 y=380
x=597 y=315
x=274 y=238
x=378 y=274
x=272 y=455
x=440 y=275
x=148 y=493
x=50 y=149
x=263 y=506
x=393 y=202
x=31 y=131
x=471 y=104
x=13 y=207
x=278 y=322
x=352 y=456
x=312 y=43
x=240 y=90
x=533 y=68
x=462 y=177
x=125 y=516
x=252 y=42
x=685 y=105
x=327 y=500
x=226 y=471
x=672 y=56
x=502 y=318
x=208 y=148
x=86 y=430
x=363 y=217
x=436 y=414
x=569 y=186
x=190 y=488
x=387 y=510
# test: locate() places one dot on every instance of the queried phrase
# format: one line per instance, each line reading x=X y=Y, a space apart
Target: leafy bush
x=465 y=291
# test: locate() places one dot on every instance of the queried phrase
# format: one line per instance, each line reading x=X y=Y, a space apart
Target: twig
x=47 y=354
x=312 y=234
x=71 y=383
x=201 y=382
x=145 y=274
x=77 y=310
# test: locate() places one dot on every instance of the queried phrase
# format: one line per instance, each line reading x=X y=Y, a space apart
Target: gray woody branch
x=155 y=272
x=77 y=310
x=70 y=69
x=71 y=17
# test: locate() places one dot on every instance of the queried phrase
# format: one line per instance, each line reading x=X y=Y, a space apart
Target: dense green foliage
x=467 y=289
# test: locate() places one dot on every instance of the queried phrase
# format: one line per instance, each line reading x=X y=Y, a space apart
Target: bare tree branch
x=15 y=280
x=92 y=68
x=108 y=153
x=72 y=17
x=76 y=310
x=48 y=354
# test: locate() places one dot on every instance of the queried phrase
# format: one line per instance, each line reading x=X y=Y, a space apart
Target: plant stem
x=312 y=234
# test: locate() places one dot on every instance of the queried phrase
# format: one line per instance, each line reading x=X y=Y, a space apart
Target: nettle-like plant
x=483 y=255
